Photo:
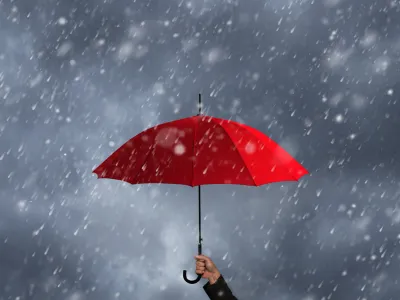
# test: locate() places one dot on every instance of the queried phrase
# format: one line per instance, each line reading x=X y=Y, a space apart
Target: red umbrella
x=201 y=150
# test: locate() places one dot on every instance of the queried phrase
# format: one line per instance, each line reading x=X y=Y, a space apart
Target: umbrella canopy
x=201 y=150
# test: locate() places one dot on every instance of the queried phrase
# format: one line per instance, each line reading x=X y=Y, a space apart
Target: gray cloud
x=78 y=79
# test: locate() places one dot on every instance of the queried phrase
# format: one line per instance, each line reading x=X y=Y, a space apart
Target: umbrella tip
x=96 y=172
x=199 y=105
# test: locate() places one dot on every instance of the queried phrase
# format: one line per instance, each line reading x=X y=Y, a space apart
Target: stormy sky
x=79 y=78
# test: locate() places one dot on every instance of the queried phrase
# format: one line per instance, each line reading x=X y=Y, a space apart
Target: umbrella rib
x=238 y=152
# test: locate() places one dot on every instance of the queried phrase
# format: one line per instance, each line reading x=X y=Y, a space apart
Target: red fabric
x=201 y=150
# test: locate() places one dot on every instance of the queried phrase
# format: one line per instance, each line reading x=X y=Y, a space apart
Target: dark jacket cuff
x=218 y=290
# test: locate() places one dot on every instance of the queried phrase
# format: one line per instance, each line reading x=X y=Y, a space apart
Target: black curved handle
x=191 y=281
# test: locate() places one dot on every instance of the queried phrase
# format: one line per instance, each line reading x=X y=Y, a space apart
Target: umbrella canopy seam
x=238 y=152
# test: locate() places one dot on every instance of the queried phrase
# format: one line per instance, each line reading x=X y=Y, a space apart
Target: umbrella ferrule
x=200 y=104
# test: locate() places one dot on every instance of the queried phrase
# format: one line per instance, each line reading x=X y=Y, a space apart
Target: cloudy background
x=78 y=78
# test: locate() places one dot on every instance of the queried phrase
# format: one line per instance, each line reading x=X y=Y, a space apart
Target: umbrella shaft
x=200 y=239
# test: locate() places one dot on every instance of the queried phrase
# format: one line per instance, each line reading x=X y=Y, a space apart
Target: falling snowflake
x=62 y=21
x=250 y=148
x=339 y=118
x=179 y=149
x=352 y=136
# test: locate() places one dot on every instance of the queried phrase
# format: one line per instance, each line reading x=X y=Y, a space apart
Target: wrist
x=214 y=277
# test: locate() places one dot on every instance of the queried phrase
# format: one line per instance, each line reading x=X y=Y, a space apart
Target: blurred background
x=79 y=78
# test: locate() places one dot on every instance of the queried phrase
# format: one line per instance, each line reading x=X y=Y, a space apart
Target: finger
x=202 y=257
x=200 y=270
x=200 y=263
x=205 y=259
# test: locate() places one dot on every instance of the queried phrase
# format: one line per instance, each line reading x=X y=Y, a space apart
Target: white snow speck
x=339 y=118
x=62 y=21
x=101 y=42
x=21 y=205
x=250 y=148
x=352 y=136
x=179 y=149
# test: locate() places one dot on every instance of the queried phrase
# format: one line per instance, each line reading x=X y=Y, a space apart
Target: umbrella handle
x=191 y=281
x=198 y=276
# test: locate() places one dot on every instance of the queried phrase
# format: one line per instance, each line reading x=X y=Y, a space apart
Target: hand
x=206 y=268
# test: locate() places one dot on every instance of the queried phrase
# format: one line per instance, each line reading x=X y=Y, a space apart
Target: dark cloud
x=79 y=78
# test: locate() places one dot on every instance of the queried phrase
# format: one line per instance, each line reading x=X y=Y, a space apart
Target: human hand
x=206 y=268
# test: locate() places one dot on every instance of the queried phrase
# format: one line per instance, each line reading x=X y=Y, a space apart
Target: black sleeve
x=219 y=290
